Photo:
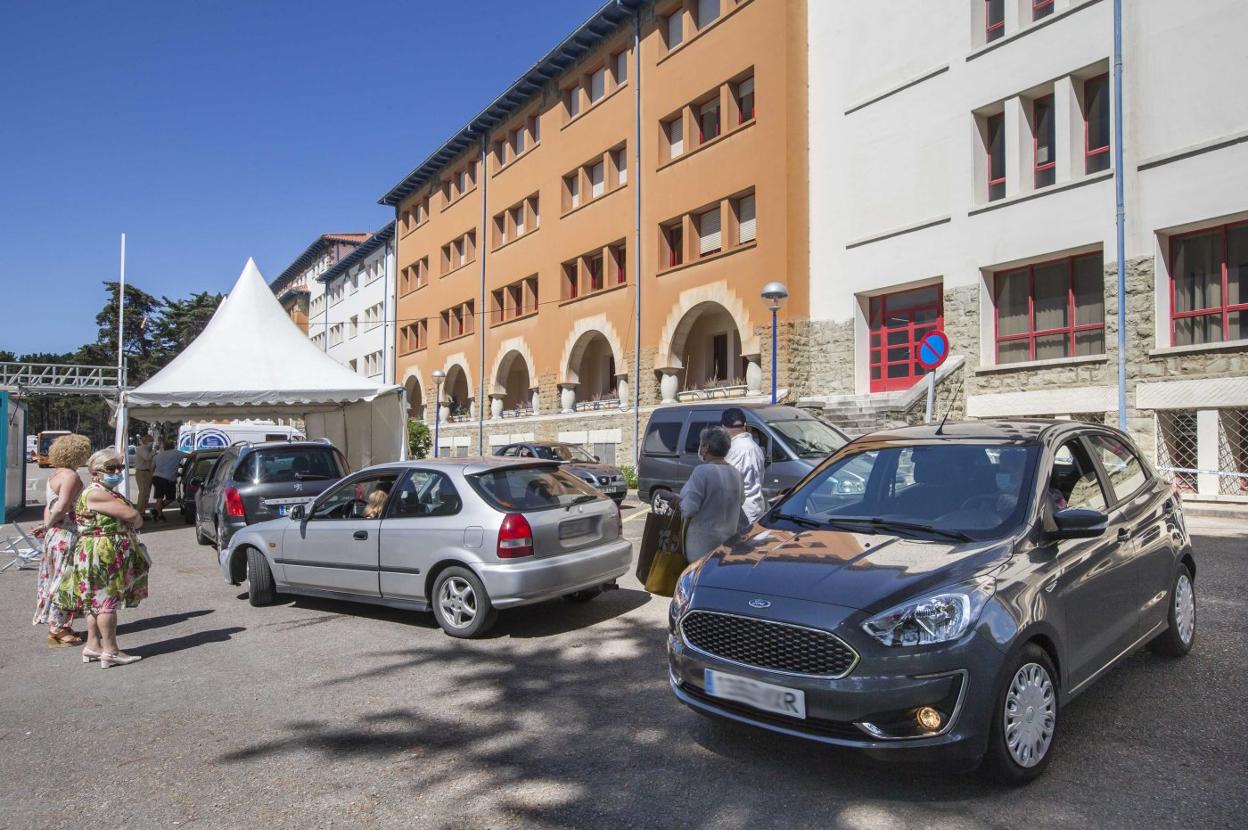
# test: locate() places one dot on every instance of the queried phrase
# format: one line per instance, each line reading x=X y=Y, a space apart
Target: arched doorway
x=513 y=387
x=415 y=398
x=707 y=345
x=456 y=394
x=592 y=368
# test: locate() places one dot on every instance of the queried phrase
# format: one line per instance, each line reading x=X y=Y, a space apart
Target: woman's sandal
x=62 y=638
x=88 y=655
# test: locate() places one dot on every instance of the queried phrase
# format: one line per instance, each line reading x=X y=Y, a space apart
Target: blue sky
x=211 y=131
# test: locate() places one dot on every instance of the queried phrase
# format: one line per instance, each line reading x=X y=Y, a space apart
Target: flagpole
x=119 y=438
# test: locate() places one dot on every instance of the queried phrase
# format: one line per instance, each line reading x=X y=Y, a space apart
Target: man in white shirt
x=747 y=456
x=144 y=458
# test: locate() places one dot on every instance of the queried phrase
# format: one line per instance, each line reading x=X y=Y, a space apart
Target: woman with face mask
x=109 y=568
x=711 y=499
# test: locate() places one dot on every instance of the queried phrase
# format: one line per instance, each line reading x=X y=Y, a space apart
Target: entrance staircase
x=859 y=414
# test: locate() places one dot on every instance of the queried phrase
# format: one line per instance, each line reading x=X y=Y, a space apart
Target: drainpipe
x=480 y=321
x=1120 y=171
x=636 y=234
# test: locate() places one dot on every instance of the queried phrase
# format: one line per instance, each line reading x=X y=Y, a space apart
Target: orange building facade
x=593 y=245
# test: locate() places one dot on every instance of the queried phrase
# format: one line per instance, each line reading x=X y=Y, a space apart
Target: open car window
x=362 y=498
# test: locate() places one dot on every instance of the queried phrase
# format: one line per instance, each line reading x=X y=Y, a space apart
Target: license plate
x=617 y=488
x=764 y=696
x=575 y=527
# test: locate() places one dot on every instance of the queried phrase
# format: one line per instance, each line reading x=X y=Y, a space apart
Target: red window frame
x=594 y=267
x=1041 y=8
x=1070 y=329
x=1040 y=169
x=1224 y=309
x=992 y=31
x=742 y=98
x=620 y=256
x=702 y=132
x=992 y=125
x=675 y=245
x=1088 y=150
x=878 y=346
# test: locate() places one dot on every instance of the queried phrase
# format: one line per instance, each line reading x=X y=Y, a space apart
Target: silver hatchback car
x=462 y=537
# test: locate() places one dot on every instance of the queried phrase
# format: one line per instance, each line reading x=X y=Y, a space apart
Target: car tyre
x=461 y=605
x=1177 y=639
x=1024 y=719
x=260 y=590
x=583 y=596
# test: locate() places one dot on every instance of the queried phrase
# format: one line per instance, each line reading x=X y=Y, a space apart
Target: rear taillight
x=234 y=504
x=515 y=537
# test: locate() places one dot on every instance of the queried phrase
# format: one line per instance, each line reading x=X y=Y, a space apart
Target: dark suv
x=256 y=482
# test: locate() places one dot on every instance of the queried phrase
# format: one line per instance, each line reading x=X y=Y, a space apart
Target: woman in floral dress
x=59 y=529
x=109 y=567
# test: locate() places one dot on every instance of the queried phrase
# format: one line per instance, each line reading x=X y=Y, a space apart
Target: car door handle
x=360 y=534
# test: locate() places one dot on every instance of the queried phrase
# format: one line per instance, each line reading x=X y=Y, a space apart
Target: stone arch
x=458 y=383
x=580 y=337
x=680 y=322
x=509 y=351
x=415 y=389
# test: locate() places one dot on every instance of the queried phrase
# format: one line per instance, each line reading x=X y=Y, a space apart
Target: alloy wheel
x=1030 y=715
x=1185 y=609
x=458 y=602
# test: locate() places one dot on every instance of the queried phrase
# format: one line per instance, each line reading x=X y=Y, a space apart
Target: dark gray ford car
x=974 y=579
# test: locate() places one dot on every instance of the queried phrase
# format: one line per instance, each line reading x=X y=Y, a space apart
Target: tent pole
x=123 y=427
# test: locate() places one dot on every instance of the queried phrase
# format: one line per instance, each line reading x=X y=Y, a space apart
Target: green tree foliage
x=419 y=440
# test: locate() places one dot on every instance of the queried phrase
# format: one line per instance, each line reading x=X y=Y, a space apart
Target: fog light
x=928 y=719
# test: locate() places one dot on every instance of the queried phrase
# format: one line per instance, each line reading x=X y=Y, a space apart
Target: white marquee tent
x=252 y=361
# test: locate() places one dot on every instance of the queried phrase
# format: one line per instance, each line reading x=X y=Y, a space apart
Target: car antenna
x=940 y=429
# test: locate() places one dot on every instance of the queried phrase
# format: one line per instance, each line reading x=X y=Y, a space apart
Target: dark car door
x=1144 y=507
x=208 y=497
x=1095 y=584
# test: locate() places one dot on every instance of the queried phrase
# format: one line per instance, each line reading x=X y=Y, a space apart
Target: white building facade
x=353 y=319
x=963 y=173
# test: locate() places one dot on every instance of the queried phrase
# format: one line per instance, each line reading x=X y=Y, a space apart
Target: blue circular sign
x=932 y=349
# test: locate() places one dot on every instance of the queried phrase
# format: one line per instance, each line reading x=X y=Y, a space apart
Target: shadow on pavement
x=199 y=638
x=159 y=622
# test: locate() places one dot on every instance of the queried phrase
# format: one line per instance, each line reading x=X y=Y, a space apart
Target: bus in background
x=45 y=444
x=32 y=448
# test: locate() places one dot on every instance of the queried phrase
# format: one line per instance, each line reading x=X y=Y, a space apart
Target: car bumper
x=520 y=583
x=867 y=709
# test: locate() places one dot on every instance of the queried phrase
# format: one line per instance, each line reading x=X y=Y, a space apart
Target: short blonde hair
x=102 y=458
x=69 y=451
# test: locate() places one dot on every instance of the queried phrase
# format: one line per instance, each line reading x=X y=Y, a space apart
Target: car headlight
x=680 y=598
x=935 y=618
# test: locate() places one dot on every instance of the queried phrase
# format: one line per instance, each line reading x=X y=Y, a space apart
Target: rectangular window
x=517 y=141
x=1208 y=276
x=597 y=85
x=1096 y=124
x=1051 y=310
x=708 y=121
x=572 y=185
x=619 y=263
x=709 y=237
x=1045 y=141
x=708 y=10
x=620 y=62
x=674 y=25
x=353 y=326
x=674 y=236
x=621 y=165
x=533 y=208
x=535 y=128
x=745 y=100
x=597 y=180
x=571 y=284
x=897 y=323
x=745 y=219
x=593 y=272
x=517 y=219
x=1041 y=8
x=994 y=19
x=572 y=100
x=675 y=130
x=994 y=142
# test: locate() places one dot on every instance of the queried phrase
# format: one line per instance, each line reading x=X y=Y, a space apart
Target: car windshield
x=272 y=466
x=808 y=437
x=563 y=452
x=958 y=490
x=531 y=488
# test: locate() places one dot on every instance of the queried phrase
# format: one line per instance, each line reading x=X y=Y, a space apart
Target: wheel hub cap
x=1185 y=609
x=1030 y=715
x=458 y=602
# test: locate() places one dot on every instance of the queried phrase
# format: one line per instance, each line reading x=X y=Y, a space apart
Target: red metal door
x=898 y=322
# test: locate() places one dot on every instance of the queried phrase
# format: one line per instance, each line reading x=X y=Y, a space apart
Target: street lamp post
x=774 y=295
x=438 y=377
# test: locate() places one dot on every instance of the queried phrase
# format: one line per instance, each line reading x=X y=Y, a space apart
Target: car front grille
x=768 y=645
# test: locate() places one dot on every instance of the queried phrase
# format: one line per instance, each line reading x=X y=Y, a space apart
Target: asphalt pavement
x=319 y=714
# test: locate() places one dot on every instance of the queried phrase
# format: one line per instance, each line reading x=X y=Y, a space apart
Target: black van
x=793 y=443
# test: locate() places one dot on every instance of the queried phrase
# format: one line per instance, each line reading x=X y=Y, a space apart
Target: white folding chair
x=25 y=550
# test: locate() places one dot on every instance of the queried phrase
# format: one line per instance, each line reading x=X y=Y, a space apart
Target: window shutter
x=596 y=180
x=745 y=213
x=708 y=232
x=676 y=136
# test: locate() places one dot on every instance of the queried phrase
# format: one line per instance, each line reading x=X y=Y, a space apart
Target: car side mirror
x=1079 y=523
x=298 y=513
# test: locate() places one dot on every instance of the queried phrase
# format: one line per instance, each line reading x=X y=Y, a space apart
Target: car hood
x=859 y=570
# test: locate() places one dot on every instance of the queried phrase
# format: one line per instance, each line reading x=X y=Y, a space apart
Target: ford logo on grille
x=759 y=603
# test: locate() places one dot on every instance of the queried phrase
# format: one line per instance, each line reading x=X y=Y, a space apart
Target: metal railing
x=59 y=378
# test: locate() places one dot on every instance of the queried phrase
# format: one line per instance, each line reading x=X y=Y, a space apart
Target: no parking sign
x=932 y=349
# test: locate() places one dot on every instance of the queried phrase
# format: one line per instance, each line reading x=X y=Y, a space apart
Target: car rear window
x=531 y=488
x=273 y=466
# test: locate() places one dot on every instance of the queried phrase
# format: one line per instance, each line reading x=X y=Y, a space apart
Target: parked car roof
x=469 y=464
x=1016 y=429
x=766 y=411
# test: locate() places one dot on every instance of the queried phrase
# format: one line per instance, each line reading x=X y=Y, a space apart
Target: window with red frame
x=745 y=100
x=593 y=269
x=897 y=323
x=1041 y=8
x=1096 y=124
x=571 y=286
x=1209 y=286
x=994 y=19
x=1051 y=310
x=708 y=121
x=994 y=143
x=675 y=237
x=1045 y=141
x=618 y=258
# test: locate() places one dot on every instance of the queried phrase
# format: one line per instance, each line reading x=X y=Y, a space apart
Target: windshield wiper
x=581 y=499
x=900 y=524
x=799 y=521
